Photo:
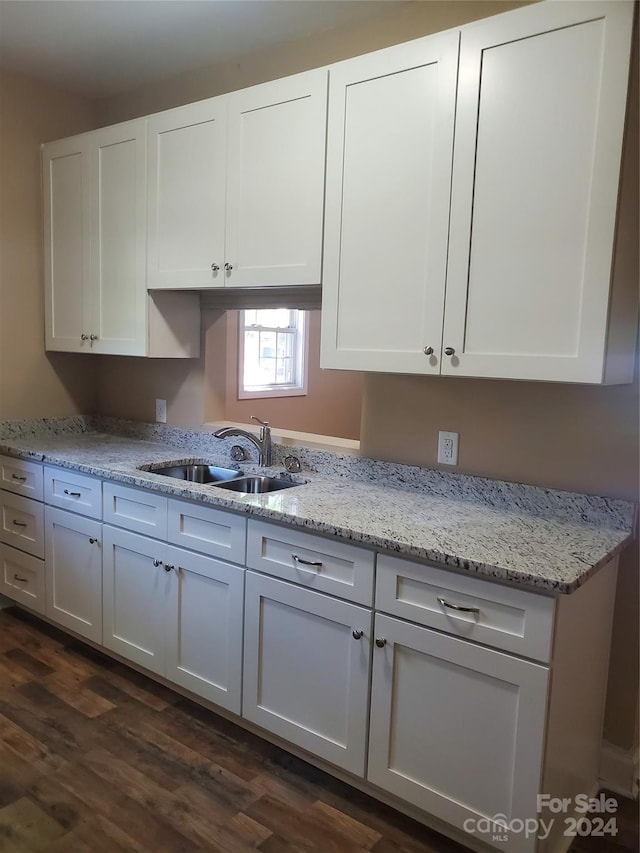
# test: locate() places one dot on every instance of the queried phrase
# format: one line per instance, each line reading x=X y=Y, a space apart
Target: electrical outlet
x=448 y=448
x=161 y=411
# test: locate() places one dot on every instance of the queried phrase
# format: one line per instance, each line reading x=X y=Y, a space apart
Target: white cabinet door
x=456 y=729
x=187 y=183
x=389 y=151
x=118 y=234
x=135 y=588
x=306 y=674
x=67 y=262
x=73 y=572
x=539 y=124
x=203 y=627
x=275 y=183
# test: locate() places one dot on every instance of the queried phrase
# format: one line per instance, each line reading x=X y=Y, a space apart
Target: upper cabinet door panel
x=187 y=184
x=119 y=239
x=67 y=201
x=390 y=143
x=540 y=118
x=275 y=190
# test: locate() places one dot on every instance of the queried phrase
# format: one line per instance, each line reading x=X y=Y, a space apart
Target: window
x=273 y=353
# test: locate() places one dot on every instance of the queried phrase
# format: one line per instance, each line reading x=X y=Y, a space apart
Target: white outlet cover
x=161 y=411
x=448 y=448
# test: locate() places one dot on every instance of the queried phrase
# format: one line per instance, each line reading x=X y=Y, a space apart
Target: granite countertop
x=552 y=541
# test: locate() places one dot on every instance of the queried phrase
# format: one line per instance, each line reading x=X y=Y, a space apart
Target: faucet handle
x=262 y=423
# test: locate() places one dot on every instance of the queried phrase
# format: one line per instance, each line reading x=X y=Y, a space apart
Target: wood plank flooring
x=95 y=758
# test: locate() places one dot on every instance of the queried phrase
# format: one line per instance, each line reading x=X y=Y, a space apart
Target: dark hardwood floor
x=95 y=758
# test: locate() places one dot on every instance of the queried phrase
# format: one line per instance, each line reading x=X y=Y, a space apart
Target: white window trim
x=302 y=356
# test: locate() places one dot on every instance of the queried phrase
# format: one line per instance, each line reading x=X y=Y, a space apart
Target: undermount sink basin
x=257 y=485
x=198 y=473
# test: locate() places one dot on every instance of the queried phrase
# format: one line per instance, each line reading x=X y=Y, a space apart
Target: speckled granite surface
x=535 y=537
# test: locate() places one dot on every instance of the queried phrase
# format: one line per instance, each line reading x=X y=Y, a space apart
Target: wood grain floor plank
x=24 y=826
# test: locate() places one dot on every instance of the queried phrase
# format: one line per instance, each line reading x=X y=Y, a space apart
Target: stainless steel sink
x=198 y=473
x=257 y=485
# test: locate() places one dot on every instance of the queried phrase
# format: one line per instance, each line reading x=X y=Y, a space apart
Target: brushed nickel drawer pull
x=168 y=568
x=317 y=564
x=157 y=563
x=22 y=580
x=381 y=642
x=92 y=540
x=19 y=523
x=474 y=610
x=357 y=634
x=18 y=478
x=73 y=494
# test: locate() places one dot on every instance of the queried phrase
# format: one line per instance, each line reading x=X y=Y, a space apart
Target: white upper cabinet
x=236 y=188
x=118 y=229
x=67 y=259
x=275 y=182
x=539 y=122
x=95 y=195
x=389 y=150
x=539 y=126
x=187 y=186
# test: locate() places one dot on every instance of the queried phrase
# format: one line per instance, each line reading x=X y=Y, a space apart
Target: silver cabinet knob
x=381 y=642
x=357 y=635
x=157 y=563
x=215 y=267
x=449 y=351
x=428 y=350
x=93 y=337
x=84 y=337
x=168 y=568
x=92 y=540
x=228 y=267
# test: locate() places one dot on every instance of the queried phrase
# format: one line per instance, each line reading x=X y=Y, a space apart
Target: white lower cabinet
x=176 y=613
x=456 y=729
x=73 y=572
x=306 y=669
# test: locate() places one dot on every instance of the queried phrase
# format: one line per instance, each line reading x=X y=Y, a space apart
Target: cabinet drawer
x=136 y=509
x=22 y=577
x=326 y=565
x=75 y=492
x=23 y=478
x=210 y=531
x=511 y=619
x=22 y=523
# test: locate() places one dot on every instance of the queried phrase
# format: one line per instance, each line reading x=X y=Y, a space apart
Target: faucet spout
x=261 y=442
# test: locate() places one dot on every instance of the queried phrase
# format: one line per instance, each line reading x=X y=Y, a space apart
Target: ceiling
x=98 y=48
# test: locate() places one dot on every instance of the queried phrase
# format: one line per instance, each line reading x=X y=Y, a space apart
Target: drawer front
x=135 y=509
x=511 y=619
x=75 y=492
x=326 y=565
x=22 y=523
x=22 y=478
x=22 y=578
x=210 y=531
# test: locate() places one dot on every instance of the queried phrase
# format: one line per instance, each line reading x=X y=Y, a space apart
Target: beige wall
x=561 y=436
x=32 y=384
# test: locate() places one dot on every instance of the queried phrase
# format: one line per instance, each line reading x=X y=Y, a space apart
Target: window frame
x=301 y=357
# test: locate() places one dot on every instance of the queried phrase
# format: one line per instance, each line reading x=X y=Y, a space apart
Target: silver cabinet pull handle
x=157 y=563
x=168 y=568
x=18 y=578
x=381 y=642
x=357 y=634
x=315 y=563
x=19 y=523
x=92 y=540
x=474 y=610
x=428 y=350
x=18 y=478
x=228 y=267
x=84 y=337
x=215 y=267
x=73 y=494
x=449 y=351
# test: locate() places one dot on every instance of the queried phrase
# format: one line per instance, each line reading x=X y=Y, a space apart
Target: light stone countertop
x=552 y=541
